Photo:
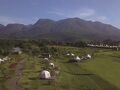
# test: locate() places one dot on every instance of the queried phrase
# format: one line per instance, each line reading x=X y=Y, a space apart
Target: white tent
x=45 y=74
x=6 y=58
x=45 y=55
x=68 y=54
x=89 y=56
x=51 y=64
x=46 y=59
x=1 y=60
x=72 y=54
x=77 y=58
x=49 y=56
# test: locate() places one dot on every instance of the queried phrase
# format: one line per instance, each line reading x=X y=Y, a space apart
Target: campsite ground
x=99 y=73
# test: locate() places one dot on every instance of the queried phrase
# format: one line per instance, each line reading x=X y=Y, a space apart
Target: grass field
x=100 y=73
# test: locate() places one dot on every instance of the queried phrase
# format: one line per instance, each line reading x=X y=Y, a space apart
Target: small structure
x=17 y=50
x=45 y=59
x=67 y=54
x=75 y=59
x=88 y=56
x=72 y=54
x=45 y=75
x=45 y=55
x=1 y=60
x=6 y=58
x=117 y=49
x=52 y=64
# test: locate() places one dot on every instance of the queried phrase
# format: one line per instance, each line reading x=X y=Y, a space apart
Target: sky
x=29 y=11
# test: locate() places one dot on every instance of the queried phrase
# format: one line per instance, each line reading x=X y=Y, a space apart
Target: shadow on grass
x=33 y=78
x=82 y=74
x=105 y=85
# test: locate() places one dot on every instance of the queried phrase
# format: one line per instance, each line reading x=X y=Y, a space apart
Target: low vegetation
x=99 y=73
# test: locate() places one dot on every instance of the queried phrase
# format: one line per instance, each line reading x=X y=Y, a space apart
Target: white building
x=17 y=50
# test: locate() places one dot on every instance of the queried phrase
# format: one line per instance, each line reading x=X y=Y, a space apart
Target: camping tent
x=72 y=54
x=6 y=58
x=77 y=58
x=68 y=54
x=46 y=59
x=1 y=60
x=88 y=56
x=51 y=64
x=45 y=55
x=45 y=74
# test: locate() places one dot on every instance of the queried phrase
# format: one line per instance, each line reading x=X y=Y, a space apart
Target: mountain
x=70 y=29
x=1 y=26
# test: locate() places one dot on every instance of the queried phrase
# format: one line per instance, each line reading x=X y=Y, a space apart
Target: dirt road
x=13 y=82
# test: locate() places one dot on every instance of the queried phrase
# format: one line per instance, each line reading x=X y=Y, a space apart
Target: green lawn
x=100 y=73
x=106 y=65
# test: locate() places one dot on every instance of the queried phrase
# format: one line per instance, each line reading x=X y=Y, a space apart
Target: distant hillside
x=71 y=29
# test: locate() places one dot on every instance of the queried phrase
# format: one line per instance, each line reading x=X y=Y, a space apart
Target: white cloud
x=102 y=19
x=6 y=20
x=81 y=13
x=84 y=13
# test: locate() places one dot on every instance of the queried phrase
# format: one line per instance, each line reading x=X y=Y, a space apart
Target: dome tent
x=75 y=59
x=45 y=75
x=1 y=60
x=46 y=59
x=51 y=64
x=67 y=54
x=88 y=56
x=72 y=54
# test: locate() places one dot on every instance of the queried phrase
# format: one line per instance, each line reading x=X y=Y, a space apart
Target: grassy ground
x=106 y=65
x=100 y=73
x=6 y=72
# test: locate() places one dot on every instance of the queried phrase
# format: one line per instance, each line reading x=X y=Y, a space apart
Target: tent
x=45 y=75
x=51 y=64
x=68 y=54
x=6 y=58
x=1 y=60
x=88 y=56
x=76 y=59
x=72 y=54
x=46 y=59
x=45 y=55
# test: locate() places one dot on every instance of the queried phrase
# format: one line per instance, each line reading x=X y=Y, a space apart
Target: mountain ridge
x=70 y=29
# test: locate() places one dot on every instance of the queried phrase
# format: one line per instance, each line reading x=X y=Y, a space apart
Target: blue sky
x=29 y=11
